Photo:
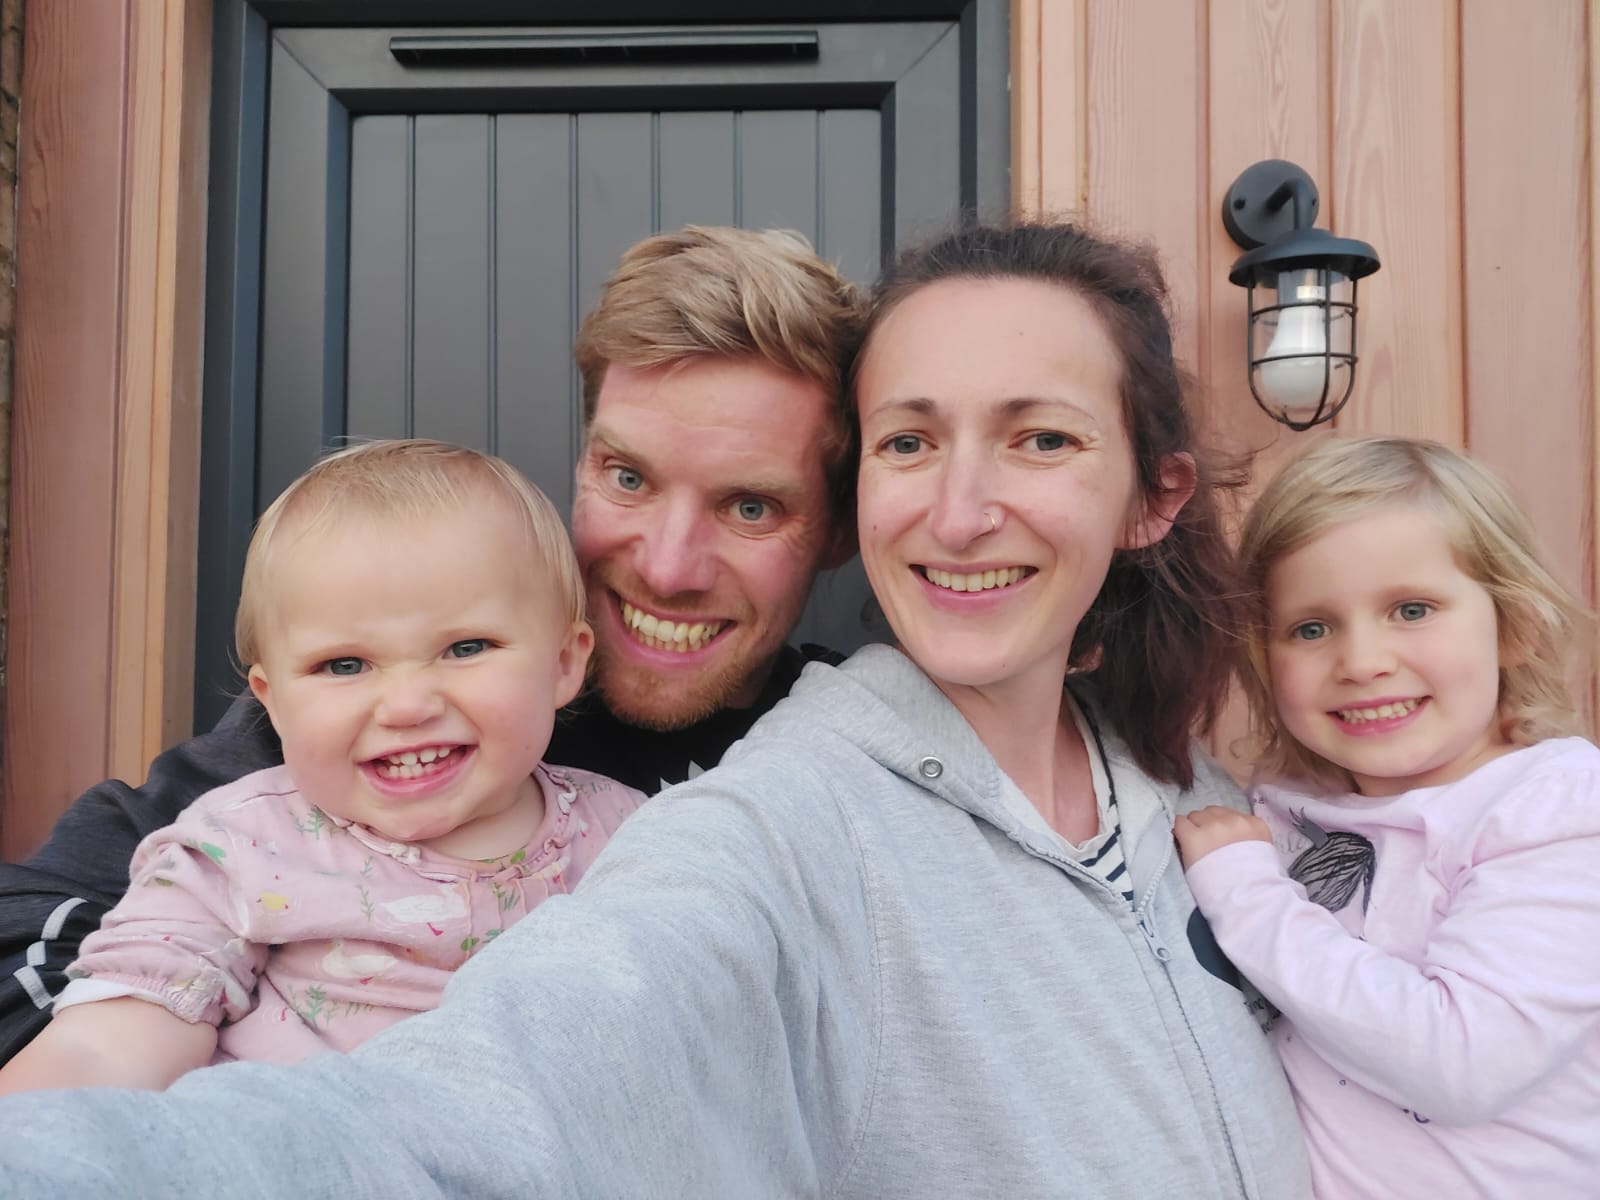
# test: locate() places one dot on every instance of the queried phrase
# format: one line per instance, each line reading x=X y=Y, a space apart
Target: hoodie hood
x=881 y=702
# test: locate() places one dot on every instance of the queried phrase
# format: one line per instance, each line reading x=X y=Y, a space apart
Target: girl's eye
x=343 y=666
x=1309 y=631
x=1049 y=441
x=903 y=443
x=467 y=647
x=1413 y=610
x=751 y=509
x=627 y=478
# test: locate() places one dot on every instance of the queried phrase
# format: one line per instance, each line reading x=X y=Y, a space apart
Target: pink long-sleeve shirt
x=1441 y=1005
x=296 y=933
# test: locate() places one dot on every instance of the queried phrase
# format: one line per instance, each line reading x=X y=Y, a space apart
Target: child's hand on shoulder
x=1211 y=828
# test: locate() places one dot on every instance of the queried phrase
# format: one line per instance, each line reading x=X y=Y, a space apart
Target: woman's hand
x=1211 y=828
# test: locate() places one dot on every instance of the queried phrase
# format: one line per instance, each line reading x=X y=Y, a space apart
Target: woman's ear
x=1157 y=513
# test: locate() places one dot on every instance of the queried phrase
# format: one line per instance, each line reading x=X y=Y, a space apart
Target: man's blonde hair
x=717 y=292
x=405 y=479
x=1541 y=623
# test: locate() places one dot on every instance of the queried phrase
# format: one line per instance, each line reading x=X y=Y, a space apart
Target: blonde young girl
x=1419 y=892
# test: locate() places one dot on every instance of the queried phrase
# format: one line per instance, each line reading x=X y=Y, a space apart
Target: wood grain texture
x=69 y=247
x=1049 y=85
x=1397 y=185
x=1269 y=97
x=1145 y=169
x=1525 y=251
x=108 y=400
x=1592 y=261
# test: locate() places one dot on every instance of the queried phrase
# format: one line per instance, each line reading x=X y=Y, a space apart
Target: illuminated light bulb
x=1297 y=383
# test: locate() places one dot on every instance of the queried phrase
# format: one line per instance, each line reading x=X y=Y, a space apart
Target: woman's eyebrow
x=1014 y=407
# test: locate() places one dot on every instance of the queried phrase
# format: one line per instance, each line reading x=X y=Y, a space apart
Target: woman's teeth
x=976 y=581
x=1357 y=716
x=661 y=634
x=413 y=763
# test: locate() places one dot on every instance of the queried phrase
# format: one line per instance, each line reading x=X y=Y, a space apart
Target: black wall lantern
x=1301 y=341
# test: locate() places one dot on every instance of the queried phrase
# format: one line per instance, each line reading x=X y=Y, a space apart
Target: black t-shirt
x=588 y=736
x=49 y=904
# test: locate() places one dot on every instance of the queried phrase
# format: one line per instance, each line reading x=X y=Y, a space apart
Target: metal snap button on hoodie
x=930 y=768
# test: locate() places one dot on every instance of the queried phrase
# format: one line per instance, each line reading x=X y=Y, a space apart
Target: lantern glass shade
x=1302 y=342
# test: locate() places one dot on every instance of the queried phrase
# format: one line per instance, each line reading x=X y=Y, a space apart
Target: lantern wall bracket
x=1270 y=200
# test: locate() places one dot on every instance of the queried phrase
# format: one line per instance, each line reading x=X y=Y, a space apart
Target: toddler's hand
x=1210 y=828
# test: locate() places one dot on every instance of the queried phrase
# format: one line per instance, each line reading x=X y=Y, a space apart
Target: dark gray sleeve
x=51 y=902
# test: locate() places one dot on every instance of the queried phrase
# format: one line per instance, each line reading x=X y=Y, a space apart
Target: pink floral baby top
x=297 y=933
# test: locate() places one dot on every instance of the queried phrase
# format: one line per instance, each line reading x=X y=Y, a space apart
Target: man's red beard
x=651 y=699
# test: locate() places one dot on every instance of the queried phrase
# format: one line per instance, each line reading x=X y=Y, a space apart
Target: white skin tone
x=1391 y=671
x=439 y=638
x=702 y=511
x=993 y=447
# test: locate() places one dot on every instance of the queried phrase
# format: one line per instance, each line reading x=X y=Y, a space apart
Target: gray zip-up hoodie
x=835 y=966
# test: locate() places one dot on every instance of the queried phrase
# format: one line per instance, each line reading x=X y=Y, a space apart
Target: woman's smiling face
x=997 y=479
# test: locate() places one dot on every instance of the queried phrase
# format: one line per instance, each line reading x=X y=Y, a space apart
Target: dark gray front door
x=441 y=207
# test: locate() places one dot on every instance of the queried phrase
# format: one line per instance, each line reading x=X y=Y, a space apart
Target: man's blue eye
x=905 y=443
x=468 y=647
x=343 y=666
x=629 y=480
x=751 y=510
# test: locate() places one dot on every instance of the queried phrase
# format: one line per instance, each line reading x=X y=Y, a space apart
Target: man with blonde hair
x=714 y=484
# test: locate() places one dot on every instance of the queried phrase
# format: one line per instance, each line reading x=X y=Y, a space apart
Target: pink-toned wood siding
x=105 y=453
x=1454 y=135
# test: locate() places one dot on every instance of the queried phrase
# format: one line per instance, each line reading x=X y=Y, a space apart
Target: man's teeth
x=1355 y=716
x=661 y=634
x=976 y=581
x=412 y=763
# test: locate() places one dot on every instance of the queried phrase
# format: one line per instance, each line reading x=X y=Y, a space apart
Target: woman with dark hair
x=923 y=932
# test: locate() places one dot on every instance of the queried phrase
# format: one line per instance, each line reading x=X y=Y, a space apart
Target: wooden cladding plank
x=1049 y=110
x=1268 y=97
x=1146 y=175
x=1525 y=247
x=158 y=429
x=110 y=287
x=69 y=242
x=1397 y=184
x=1592 y=496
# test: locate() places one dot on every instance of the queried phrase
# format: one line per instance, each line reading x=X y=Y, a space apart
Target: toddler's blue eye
x=1414 y=610
x=344 y=666
x=468 y=647
x=1309 y=631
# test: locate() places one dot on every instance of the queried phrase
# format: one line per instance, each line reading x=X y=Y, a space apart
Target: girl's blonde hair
x=1541 y=623
x=410 y=478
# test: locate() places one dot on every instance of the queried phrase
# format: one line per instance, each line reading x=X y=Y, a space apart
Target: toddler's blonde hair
x=409 y=478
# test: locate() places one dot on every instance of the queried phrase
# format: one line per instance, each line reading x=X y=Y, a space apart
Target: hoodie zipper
x=1147 y=923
